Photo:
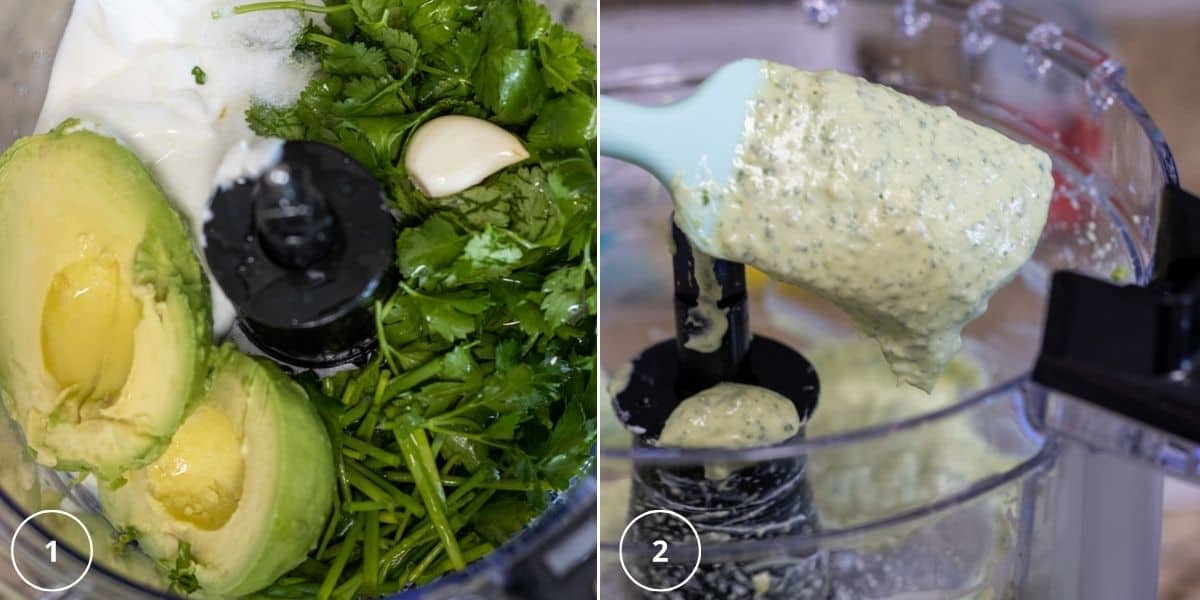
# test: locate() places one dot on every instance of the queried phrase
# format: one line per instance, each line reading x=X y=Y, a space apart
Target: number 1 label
x=53 y=546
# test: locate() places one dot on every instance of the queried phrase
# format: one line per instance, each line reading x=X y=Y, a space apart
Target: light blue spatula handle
x=693 y=140
x=637 y=134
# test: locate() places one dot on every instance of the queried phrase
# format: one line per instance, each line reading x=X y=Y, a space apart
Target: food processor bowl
x=967 y=495
x=557 y=546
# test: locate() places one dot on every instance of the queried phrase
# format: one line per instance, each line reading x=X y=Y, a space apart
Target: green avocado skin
x=302 y=490
x=286 y=509
x=164 y=259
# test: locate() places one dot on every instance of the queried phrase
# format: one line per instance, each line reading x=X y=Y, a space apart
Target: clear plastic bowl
x=32 y=31
x=969 y=499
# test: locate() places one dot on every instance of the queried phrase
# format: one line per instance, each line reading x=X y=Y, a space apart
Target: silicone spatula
x=691 y=143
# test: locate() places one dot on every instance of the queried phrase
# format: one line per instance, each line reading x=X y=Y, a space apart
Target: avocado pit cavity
x=199 y=478
x=88 y=322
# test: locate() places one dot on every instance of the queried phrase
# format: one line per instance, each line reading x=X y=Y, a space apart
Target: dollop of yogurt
x=132 y=67
x=905 y=215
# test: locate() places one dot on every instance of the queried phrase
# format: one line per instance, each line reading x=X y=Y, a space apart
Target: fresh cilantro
x=199 y=75
x=182 y=574
x=567 y=296
x=479 y=404
x=565 y=122
x=356 y=59
x=510 y=85
x=124 y=539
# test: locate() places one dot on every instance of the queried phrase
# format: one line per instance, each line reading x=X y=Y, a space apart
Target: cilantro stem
x=441 y=72
x=299 y=5
x=372 y=418
x=348 y=590
x=368 y=488
x=339 y=562
x=385 y=348
x=446 y=416
x=470 y=436
x=470 y=484
x=378 y=489
x=443 y=566
x=424 y=533
x=352 y=397
x=415 y=446
x=414 y=377
x=510 y=485
x=321 y=39
x=375 y=452
x=330 y=527
x=396 y=554
x=415 y=574
x=367 y=506
x=370 y=555
x=400 y=522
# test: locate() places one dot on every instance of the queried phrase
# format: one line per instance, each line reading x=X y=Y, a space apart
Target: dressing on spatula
x=905 y=215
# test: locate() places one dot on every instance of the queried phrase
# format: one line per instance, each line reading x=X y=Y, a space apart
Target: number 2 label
x=53 y=547
x=662 y=549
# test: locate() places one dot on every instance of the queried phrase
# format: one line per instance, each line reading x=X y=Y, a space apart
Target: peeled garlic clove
x=450 y=154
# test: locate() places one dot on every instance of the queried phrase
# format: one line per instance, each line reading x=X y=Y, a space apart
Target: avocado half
x=105 y=317
x=247 y=482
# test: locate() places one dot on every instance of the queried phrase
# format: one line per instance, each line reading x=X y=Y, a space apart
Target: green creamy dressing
x=905 y=215
x=730 y=415
x=866 y=481
x=707 y=320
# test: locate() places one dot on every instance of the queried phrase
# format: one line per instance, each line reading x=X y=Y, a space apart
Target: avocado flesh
x=257 y=487
x=103 y=342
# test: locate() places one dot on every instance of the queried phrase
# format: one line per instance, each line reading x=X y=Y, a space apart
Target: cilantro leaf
x=182 y=574
x=565 y=301
x=565 y=122
x=511 y=85
x=430 y=246
x=564 y=59
x=435 y=22
x=274 y=121
x=403 y=49
x=356 y=59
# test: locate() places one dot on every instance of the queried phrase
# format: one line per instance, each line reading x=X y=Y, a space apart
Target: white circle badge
x=52 y=550
x=662 y=546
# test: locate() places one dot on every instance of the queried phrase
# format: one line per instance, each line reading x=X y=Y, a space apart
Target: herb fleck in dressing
x=730 y=415
x=905 y=215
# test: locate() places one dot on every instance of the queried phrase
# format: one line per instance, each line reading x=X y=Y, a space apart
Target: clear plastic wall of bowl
x=962 y=496
x=32 y=31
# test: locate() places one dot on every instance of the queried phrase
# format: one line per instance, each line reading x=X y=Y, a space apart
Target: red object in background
x=1063 y=208
x=1083 y=137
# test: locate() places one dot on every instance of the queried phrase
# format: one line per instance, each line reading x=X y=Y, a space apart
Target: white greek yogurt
x=134 y=69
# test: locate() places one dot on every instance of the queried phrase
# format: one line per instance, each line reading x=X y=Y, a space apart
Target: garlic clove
x=450 y=154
